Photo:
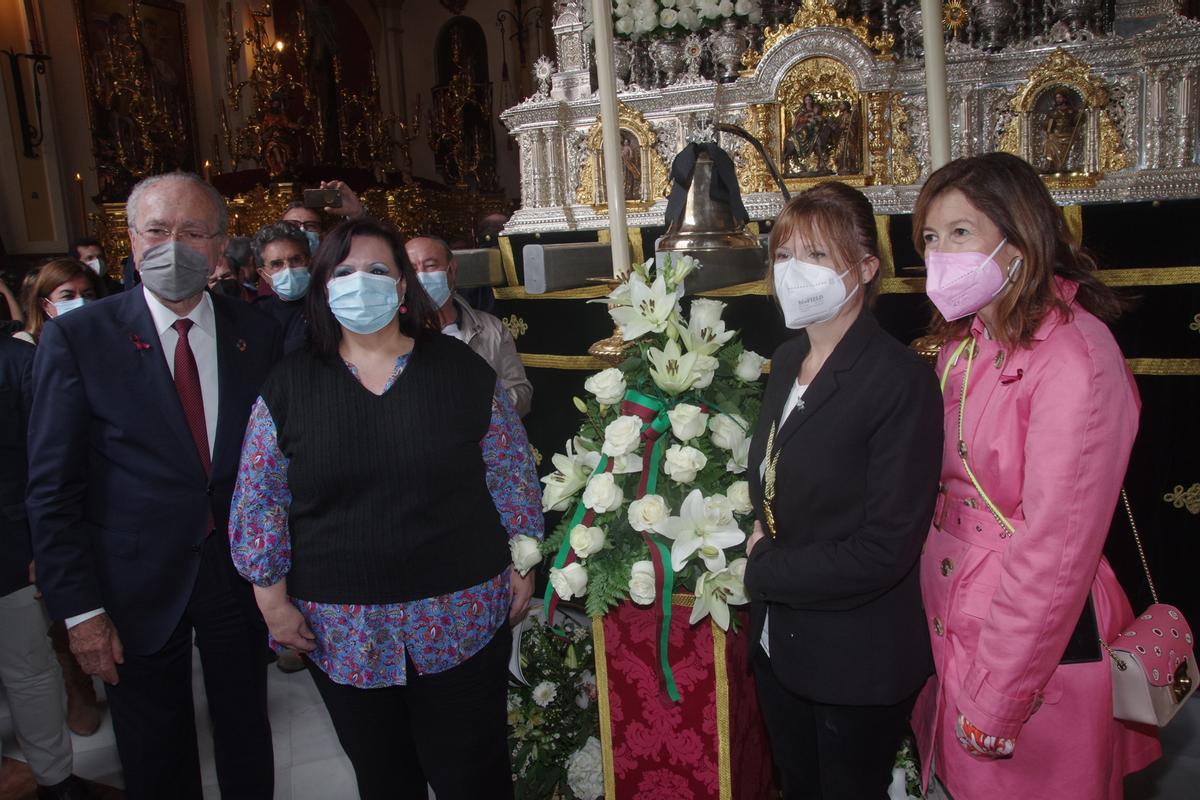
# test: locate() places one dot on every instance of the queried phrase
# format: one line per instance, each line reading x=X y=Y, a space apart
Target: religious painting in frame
x=139 y=83
x=643 y=170
x=821 y=126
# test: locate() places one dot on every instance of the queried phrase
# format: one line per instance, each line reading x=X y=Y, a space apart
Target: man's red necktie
x=187 y=383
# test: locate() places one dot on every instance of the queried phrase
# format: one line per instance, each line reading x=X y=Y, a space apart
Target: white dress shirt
x=203 y=340
x=794 y=400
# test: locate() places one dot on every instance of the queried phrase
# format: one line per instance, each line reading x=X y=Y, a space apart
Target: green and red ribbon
x=653 y=412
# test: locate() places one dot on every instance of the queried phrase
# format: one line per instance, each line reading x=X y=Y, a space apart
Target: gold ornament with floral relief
x=655 y=182
x=877 y=136
x=754 y=175
x=906 y=169
x=821 y=14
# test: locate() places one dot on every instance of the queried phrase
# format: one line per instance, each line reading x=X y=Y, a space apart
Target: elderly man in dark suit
x=140 y=405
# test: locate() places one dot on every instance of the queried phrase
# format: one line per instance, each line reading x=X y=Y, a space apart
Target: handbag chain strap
x=1138 y=539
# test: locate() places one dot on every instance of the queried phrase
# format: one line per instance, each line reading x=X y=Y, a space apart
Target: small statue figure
x=1061 y=126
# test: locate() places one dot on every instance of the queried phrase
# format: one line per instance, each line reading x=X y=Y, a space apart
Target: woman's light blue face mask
x=66 y=306
x=363 y=302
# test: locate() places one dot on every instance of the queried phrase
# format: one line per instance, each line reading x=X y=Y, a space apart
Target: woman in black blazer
x=843 y=496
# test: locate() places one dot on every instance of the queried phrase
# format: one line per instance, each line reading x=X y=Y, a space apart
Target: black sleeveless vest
x=389 y=497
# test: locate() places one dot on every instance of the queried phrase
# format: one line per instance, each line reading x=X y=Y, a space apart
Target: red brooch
x=138 y=344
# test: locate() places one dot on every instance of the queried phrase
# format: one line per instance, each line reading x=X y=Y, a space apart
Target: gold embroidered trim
x=721 y=677
x=1073 y=216
x=582 y=293
x=1173 y=367
x=506 y=259
x=606 y=740
x=547 y=361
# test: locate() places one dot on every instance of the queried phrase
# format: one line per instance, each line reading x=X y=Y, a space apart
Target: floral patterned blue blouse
x=365 y=645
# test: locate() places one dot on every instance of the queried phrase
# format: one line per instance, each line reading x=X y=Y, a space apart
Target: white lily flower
x=705 y=332
x=717 y=590
x=673 y=371
x=650 y=309
x=696 y=527
x=571 y=473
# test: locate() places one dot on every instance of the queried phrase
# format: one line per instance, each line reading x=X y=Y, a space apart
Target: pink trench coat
x=1048 y=430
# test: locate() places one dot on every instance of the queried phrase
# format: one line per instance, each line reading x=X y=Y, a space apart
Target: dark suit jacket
x=290 y=316
x=16 y=396
x=855 y=487
x=118 y=501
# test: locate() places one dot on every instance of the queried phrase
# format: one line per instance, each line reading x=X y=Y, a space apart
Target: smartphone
x=322 y=198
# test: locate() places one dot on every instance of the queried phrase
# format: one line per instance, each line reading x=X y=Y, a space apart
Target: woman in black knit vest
x=383 y=473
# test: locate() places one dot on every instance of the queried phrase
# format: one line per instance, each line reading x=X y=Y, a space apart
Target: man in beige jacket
x=485 y=334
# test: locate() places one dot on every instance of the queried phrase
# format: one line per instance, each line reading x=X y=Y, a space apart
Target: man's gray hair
x=275 y=232
x=218 y=202
x=440 y=242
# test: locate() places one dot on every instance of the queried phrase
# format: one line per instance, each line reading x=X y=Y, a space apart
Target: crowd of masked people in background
x=308 y=438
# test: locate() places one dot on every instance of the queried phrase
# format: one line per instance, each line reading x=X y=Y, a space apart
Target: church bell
x=706 y=220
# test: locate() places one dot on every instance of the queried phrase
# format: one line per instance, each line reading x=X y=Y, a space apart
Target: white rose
x=525 y=552
x=624 y=25
x=689 y=19
x=645 y=7
x=668 y=17
x=682 y=4
x=607 y=385
x=621 y=436
x=725 y=9
x=586 y=541
x=749 y=366
x=707 y=8
x=544 y=693
x=602 y=493
x=682 y=463
x=719 y=509
x=687 y=421
x=621 y=9
x=744 y=7
x=728 y=430
x=641 y=583
x=706 y=369
x=667 y=3
x=739 y=497
x=755 y=16
x=648 y=512
x=738 y=457
x=570 y=581
x=645 y=24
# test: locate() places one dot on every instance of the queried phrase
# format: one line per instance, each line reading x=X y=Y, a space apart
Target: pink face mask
x=960 y=284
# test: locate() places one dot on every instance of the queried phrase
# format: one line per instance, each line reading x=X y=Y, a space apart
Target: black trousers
x=448 y=728
x=829 y=752
x=152 y=705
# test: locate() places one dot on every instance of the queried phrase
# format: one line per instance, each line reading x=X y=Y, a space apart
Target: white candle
x=613 y=178
x=935 y=83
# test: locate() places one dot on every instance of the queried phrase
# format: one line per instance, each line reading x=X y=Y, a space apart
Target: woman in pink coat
x=1040 y=415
